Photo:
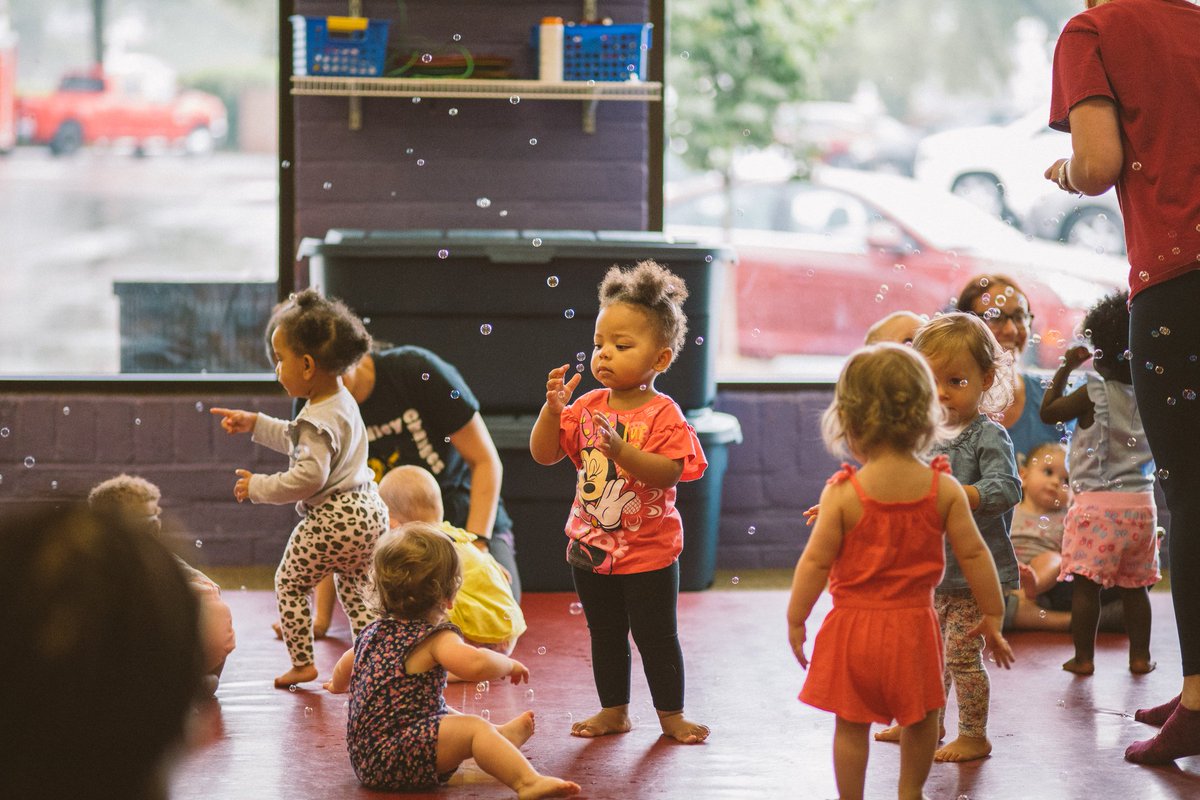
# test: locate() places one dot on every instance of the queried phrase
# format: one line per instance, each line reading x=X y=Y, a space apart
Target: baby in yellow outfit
x=484 y=608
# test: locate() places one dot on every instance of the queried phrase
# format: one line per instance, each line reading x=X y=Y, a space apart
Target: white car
x=1000 y=169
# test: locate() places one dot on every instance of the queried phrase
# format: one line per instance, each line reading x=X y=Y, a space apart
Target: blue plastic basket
x=604 y=52
x=348 y=46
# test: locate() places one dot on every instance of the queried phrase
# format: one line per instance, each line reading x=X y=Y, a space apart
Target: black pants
x=642 y=603
x=1164 y=337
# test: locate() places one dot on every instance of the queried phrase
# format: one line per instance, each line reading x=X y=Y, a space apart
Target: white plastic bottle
x=550 y=50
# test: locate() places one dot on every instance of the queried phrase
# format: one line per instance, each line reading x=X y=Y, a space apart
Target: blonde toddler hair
x=956 y=332
x=416 y=571
x=885 y=395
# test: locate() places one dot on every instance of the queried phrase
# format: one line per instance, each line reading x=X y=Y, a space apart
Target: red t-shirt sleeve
x=1078 y=71
x=674 y=438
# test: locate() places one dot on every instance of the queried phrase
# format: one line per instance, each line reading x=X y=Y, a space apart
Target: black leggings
x=1164 y=337
x=643 y=603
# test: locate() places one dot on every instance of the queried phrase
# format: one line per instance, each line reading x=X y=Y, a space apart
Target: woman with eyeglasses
x=999 y=301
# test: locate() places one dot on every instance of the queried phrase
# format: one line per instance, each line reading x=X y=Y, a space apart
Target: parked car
x=999 y=168
x=820 y=260
x=845 y=135
x=94 y=108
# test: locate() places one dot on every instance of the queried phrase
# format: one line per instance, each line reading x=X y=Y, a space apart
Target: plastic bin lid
x=507 y=245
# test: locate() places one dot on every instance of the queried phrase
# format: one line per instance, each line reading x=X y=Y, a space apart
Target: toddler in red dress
x=879 y=541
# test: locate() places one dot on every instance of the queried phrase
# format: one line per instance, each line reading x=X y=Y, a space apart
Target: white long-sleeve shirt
x=327 y=453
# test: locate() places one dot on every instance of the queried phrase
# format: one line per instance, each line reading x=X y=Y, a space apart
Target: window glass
x=139 y=210
x=856 y=174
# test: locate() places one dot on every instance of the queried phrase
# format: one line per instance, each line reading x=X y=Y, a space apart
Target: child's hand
x=989 y=629
x=241 y=489
x=610 y=444
x=796 y=638
x=518 y=672
x=810 y=514
x=558 y=391
x=234 y=421
x=1076 y=356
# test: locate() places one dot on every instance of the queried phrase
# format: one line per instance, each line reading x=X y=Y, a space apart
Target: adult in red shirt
x=1126 y=87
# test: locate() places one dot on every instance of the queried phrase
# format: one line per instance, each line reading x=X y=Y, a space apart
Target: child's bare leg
x=1046 y=567
x=892 y=734
x=1085 y=616
x=850 y=752
x=519 y=729
x=1137 y=624
x=463 y=736
x=917 y=744
x=680 y=729
x=604 y=722
x=324 y=595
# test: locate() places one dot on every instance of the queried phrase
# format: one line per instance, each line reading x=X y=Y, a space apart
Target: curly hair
x=657 y=291
x=321 y=327
x=885 y=396
x=118 y=493
x=1106 y=326
x=956 y=332
x=416 y=571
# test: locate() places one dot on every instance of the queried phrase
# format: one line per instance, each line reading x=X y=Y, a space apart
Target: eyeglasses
x=995 y=318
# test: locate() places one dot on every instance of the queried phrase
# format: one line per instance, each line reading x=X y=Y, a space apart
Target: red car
x=93 y=108
x=820 y=260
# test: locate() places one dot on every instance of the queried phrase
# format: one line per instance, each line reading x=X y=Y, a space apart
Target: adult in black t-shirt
x=419 y=410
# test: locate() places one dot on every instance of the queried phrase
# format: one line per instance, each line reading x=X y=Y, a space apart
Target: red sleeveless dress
x=878 y=655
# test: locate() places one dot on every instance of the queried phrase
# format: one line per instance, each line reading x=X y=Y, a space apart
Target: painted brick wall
x=373 y=178
x=773 y=476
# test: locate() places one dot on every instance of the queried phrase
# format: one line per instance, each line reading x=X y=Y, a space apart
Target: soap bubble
x=308 y=712
x=580 y=356
x=292 y=688
x=699 y=340
x=453 y=112
x=327 y=185
x=4 y=432
x=529 y=695
x=541 y=651
x=457 y=37
x=579 y=368
x=487 y=715
x=483 y=202
x=137 y=420
x=478 y=696
x=420 y=162
x=66 y=411
x=514 y=99
x=575 y=608
x=426 y=58
x=533 y=142
x=1136 y=166
x=443 y=254
x=552 y=281
x=199 y=543
x=1131 y=442
x=735 y=580
x=569 y=313
x=454 y=394
x=537 y=242
x=752 y=530
x=53 y=485
x=29 y=462
x=199 y=407
x=485 y=329
x=1163 y=474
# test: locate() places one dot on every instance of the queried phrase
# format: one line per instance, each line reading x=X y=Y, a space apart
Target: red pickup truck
x=93 y=108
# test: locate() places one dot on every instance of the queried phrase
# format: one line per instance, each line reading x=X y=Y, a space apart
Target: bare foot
x=296 y=675
x=892 y=734
x=964 y=748
x=1081 y=667
x=1028 y=580
x=319 y=630
x=1141 y=666
x=604 y=722
x=545 y=786
x=680 y=729
x=518 y=729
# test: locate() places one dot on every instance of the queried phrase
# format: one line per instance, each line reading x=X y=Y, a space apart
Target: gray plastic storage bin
x=533 y=292
x=539 y=499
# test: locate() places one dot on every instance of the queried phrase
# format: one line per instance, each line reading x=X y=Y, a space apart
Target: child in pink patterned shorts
x=1109 y=537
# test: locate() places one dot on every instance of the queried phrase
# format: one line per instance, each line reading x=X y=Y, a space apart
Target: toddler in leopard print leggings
x=313 y=341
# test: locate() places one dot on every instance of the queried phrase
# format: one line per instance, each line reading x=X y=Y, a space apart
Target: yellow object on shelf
x=346 y=24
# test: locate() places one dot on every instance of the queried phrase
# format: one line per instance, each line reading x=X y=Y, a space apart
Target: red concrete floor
x=1055 y=735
